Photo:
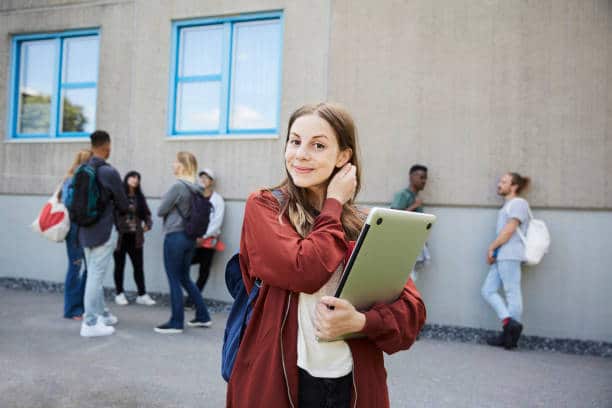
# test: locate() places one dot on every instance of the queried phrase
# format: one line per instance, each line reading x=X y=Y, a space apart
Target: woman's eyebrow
x=313 y=137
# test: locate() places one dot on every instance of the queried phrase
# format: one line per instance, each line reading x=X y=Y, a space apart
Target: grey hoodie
x=177 y=196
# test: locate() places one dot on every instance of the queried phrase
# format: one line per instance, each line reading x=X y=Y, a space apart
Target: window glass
x=255 y=82
x=36 y=86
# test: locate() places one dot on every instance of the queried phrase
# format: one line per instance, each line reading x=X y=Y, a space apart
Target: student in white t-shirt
x=209 y=243
x=505 y=255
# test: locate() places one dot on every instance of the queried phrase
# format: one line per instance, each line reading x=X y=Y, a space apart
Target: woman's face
x=313 y=153
x=133 y=181
x=177 y=168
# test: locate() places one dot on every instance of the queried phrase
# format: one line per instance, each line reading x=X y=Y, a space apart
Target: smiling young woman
x=295 y=238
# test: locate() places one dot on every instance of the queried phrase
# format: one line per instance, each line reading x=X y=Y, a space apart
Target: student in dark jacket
x=131 y=227
x=97 y=240
x=179 y=247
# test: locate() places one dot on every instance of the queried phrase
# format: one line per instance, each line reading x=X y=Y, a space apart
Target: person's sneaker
x=199 y=323
x=514 y=330
x=145 y=300
x=99 y=329
x=109 y=320
x=497 y=341
x=167 y=329
x=121 y=300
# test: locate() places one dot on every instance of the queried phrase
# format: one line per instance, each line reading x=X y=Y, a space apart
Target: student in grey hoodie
x=178 y=247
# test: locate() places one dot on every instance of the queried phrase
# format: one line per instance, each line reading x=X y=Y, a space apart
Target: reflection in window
x=55 y=83
x=227 y=76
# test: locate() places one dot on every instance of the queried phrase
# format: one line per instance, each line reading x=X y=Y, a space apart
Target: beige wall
x=476 y=88
x=470 y=88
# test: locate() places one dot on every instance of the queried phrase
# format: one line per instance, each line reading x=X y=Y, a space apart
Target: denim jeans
x=98 y=262
x=506 y=275
x=76 y=276
x=178 y=251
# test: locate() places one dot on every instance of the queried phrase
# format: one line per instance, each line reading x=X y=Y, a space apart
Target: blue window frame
x=54 y=83
x=226 y=76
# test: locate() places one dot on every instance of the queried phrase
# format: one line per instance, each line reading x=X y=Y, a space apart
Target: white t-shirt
x=320 y=359
x=513 y=249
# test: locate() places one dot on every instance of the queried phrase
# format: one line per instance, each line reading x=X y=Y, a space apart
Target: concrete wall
x=471 y=88
x=565 y=296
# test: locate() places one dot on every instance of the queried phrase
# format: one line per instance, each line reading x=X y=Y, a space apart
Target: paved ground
x=45 y=363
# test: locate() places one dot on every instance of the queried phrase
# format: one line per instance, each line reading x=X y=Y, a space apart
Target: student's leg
x=97 y=259
x=490 y=292
x=74 y=282
x=173 y=262
x=205 y=263
x=192 y=290
x=137 y=264
x=119 y=256
x=510 y=274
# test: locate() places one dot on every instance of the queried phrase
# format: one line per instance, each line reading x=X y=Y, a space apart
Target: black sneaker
x=514 y=330
x=199 y=323
x=497 y=341
x=167 y=329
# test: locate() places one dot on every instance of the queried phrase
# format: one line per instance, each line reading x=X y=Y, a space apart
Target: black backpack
x=88 y=197
x=196 y=223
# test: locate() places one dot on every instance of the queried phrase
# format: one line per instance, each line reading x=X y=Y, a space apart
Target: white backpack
x=536 y=241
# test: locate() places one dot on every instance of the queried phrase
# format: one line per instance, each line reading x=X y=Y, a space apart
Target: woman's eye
x=294 y=142
x=319 y=146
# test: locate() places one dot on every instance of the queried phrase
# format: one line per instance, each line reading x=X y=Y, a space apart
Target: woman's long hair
x=190 y=164
x=298 y=208
x=81 y=158
x=142 y=209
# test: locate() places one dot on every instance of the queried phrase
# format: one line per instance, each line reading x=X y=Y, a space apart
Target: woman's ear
x=344 y=157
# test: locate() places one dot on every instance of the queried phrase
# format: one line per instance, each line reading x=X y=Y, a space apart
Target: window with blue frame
x=54 y=84
x=226 y=75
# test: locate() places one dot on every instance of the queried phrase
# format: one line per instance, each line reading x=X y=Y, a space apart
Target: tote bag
x=53 y=221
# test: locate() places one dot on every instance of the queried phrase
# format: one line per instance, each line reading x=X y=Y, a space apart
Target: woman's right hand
x=342 y=185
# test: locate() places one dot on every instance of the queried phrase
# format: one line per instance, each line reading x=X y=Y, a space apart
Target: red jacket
x=265 y=373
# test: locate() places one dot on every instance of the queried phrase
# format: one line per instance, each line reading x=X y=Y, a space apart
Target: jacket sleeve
x=395 y=326
x=214 y=227
x=169 y=200
x=115 y=186
x=279 y=256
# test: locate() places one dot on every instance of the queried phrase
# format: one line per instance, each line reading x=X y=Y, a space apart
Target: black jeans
x=128 y=246
x=324 y=392
x=203 y=256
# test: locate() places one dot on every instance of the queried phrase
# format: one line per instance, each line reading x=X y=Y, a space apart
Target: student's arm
x=416 y=203
x=392 y=327
x=279 y=256
x=214 y=227
x=115 y=186
x=169 y=200
x=505 y=234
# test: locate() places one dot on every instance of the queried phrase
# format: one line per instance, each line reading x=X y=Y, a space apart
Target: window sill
x=222 y=137
x=49 y=140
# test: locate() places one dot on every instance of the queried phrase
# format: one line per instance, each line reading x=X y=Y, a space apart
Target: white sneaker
x=99 y=329
x=145 y=300
x=109 y=320
x=121 y=300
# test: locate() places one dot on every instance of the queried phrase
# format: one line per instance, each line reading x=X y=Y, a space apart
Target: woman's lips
x=302 y=170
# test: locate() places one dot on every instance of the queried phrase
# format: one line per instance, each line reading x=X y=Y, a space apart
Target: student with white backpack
x=505 y=255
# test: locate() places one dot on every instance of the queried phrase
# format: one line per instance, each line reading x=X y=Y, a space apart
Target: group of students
x=295 y=240
x=125 y=209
